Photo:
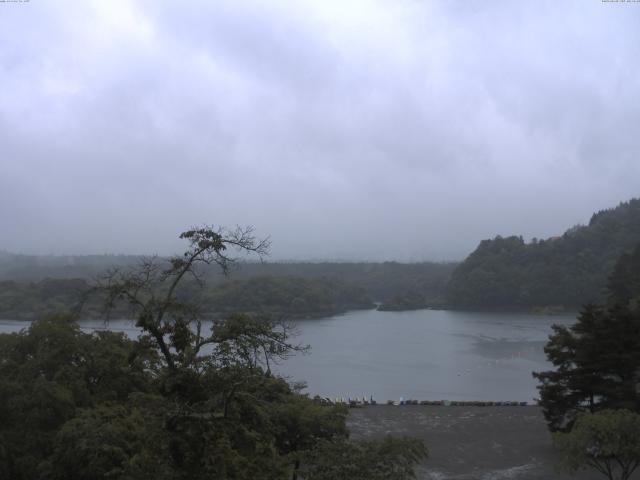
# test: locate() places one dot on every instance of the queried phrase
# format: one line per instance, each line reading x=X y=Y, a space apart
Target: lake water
x=422 y=354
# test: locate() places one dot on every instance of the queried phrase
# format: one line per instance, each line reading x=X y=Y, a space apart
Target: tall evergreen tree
x=597 y=360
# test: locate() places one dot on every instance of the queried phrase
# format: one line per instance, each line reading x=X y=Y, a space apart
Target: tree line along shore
x=547 y=276
x=191 y=399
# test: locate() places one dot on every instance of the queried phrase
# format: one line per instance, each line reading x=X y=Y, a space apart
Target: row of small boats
x=363 y=401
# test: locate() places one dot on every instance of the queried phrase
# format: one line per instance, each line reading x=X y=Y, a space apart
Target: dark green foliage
x=567 y=271
x=50 y=372
x=23 y=295
x=607 y=441
x=108 y=441
x=83 y=406
x=289 y=296
x=27 y=301
x=624 y=283
x=182 y=402
x=597 y=360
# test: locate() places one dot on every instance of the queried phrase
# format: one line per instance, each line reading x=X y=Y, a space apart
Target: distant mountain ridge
x=559 y=272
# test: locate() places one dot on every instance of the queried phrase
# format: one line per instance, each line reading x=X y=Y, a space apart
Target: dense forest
x=596 y=359
x=182 y=401
x=556 y=273
x=591 y=398
x=79 y=406
x=381 y=280
x=31 y=286
x=290 y=297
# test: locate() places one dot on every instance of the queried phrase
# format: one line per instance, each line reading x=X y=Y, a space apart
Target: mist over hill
x=562 y=272
x=31 y=286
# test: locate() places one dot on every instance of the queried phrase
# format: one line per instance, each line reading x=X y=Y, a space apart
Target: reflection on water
x=423 y=354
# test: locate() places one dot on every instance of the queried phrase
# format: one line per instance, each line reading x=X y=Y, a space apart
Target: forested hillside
x=382 y=280
x=291 y=297
x=565 y=271
x=34 y=285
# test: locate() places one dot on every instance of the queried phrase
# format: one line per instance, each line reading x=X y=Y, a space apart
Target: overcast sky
x=397 y=129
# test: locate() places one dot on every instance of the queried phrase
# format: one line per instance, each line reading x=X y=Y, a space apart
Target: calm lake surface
x=422 y=354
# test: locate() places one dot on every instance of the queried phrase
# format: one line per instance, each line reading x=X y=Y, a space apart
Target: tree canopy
x=566 y=271
x=597 y=360
x=607 y=441
x=186 y=399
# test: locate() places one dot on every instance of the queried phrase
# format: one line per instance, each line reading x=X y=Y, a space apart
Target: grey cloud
x=364 y=130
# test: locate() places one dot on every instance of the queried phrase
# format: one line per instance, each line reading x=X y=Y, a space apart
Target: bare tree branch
x=150 y=288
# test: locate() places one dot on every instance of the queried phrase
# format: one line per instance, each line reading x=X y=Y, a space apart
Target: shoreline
x=470 y=442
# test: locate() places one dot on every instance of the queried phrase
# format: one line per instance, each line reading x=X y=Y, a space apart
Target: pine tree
x=597 y=359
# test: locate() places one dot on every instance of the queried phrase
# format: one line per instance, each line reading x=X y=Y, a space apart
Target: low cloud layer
x=357 y=130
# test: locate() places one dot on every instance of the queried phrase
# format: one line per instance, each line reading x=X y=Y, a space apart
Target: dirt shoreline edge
x=470 y=442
